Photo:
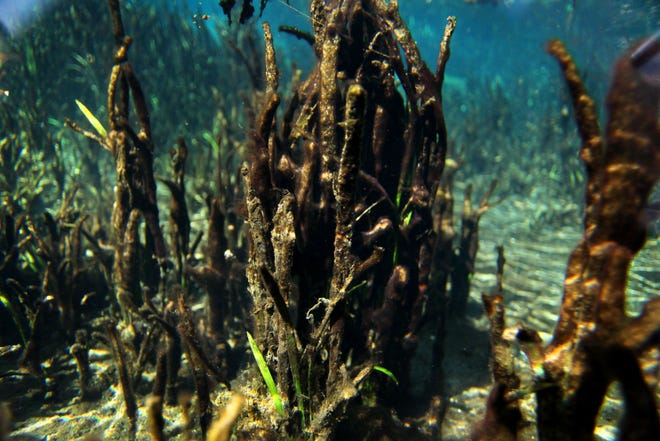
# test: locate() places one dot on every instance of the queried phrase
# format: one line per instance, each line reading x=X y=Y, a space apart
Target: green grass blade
x=211 y=140
x=387 y=372
x=265 y=373
x=92 y=120
x=4 y=300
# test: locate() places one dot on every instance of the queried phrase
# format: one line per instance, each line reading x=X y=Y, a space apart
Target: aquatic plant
x=594 y=343
x=45 y=263
x=20 y=268
x=31 y=173
x=543 y=142
x=46 y=280
x=60 y=58
x=351 y=225
x=340 y=227
x=246 y=12
x=265 y=373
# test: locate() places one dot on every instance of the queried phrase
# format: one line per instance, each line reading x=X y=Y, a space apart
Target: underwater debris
x=352 y=255
x=125 y=379
x=57 y=267
x=89 y=389
x=646 y=59
x=501 y=420
x=594 y=342
x=179 y=220
x=5 y=420
x=246 y=12
x=155 y=418
x=348 y=218
x=222 y=426
x=622 y=170
x=135 y=195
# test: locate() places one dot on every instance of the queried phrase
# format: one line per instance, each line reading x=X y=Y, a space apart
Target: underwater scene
x=332 y=220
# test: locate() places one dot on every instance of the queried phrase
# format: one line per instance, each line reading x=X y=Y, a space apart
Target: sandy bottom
x=536 y=257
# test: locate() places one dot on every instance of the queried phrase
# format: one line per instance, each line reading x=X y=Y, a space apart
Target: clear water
x=508 y=117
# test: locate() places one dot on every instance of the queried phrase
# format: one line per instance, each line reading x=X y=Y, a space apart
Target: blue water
x=15 y=14
x=502 y=40
x=506 y=43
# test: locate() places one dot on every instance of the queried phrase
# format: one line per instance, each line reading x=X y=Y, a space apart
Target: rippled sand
x=536 y=257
